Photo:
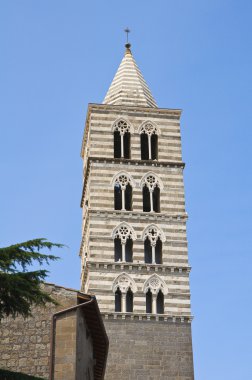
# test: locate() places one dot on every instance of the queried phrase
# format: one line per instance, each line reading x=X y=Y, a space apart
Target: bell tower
x=134 y=246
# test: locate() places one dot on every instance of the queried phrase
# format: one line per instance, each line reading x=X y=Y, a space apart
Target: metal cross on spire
x=127 y=31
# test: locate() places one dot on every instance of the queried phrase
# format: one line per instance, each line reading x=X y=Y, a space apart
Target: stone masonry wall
x=84 y=344
x=25 y=343
x=149 y=350
x=65 y=346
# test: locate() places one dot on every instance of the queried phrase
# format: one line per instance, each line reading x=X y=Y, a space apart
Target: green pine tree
x=20 y=288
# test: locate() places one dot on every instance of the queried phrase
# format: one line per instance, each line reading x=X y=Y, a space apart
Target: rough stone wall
x=149 y=350
x=25 y=343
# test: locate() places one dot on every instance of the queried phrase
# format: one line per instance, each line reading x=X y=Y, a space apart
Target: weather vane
x=127 y=31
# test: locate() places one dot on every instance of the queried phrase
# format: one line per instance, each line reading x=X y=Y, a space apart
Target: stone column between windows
x=123 y=302
x=149 y=146
x=122 y=147
x=154 y=303
x=123 y=250
x=151 y=199
x=123 y=199
x=153 y=245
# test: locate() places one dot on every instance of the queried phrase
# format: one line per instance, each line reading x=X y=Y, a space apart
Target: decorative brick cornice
x=128 y=162
x=147 y=317
x=137 y=267
x=150 y=216
x=127 y=108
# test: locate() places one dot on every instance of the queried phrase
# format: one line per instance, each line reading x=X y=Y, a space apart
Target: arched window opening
x=121 y=139
x=146 y=199
x=153 y=245
x=160 y=302
x=117 y=197
x=123 y=237
x=144 y=147
x=156 y=199
x=128 y=198
x=124 y=288
x=158 y=251
x=129 y=251
x=117 y=144
x=155 y=289
x=118 y=300
x=118 y=249
x=148 y=301
x=149 y=142
x=129 y=301
x=126 y=145
x=154 y=147
x=147 y=252
x=151 y=193
x=122 y=193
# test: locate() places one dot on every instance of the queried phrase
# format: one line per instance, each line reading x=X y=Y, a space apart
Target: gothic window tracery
x=123 y=236
x=123 y=183
x=155 y=289
x=149 y=141
x=124 y=288
x=153 y=238
x=151 y=186
x=122 y=131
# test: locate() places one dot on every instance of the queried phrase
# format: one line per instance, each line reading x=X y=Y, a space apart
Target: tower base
x=149 y=350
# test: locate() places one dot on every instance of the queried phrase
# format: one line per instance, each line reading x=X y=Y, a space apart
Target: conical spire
x=128 y=86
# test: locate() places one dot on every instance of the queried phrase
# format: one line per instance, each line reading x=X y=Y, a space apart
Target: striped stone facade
x=100 y=218
x=130 y=100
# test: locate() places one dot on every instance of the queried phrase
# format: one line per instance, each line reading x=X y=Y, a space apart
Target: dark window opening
x=160 y=303
x=129 y=251
x=149 y=302
x=118 y=300
x=144 y=147
x=128 y=198
x=118 y=249
x=129 y=301
x=158 y=252
x=117 y=197
x=146 y=199
x=117 y=144
x=126 y=144
x=154 y=147
x=156 y=199
x=147 y=252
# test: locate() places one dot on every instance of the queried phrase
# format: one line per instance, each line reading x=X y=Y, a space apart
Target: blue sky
x=58 y=56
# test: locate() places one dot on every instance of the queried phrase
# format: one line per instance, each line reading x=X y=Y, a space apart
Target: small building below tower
x=63 y=342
